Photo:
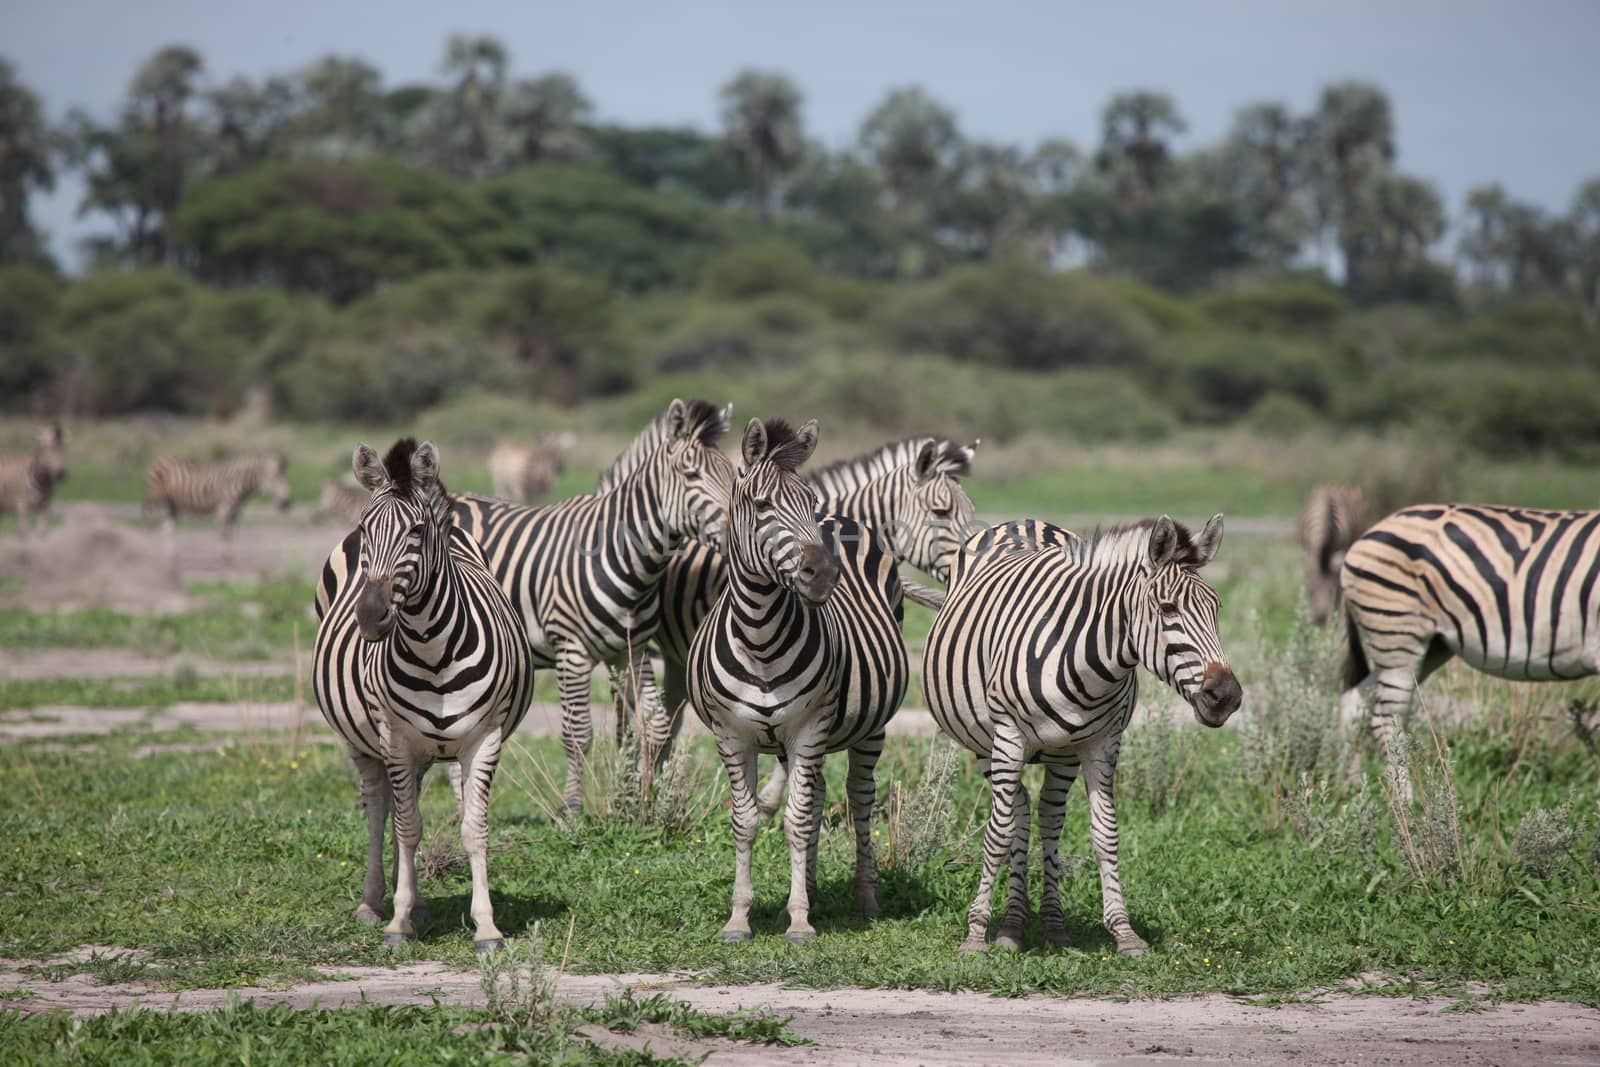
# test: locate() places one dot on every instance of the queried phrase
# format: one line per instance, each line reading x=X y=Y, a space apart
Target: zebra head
x=774 y=532
x=692 y=475
x=275 y=481
x=405 y=531
x=934 y=511
x=1175 y=620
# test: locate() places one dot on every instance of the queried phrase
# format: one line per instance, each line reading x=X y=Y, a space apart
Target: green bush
x=747 y=271
x=29 y=355
x=1282 y=415
x=392 y=378
x=1289 y=308
x=1221 y=376
x=1536 y=332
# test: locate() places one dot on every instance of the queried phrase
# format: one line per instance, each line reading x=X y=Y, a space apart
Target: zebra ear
x=1163 y=542
x=754 y=446
x=1209 y=541
x=368 y=467
x=927 y=460
x=425 y=466
x=727 y=417
x=804 y=443
x=677 y=418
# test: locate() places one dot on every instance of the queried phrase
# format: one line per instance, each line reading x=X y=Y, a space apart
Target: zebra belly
x=1550 y=665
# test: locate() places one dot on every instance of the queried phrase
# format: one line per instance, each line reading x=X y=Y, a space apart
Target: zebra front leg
x=375 y=802
x=1011 y=931
x=1005 y=778
x=1058 y=779
x=802 y=822
x=861 y=787
x=577 y=730
x=1099 y=777
x=477 y=773
x=405 y=774
x=813 y=837
x=739 y=757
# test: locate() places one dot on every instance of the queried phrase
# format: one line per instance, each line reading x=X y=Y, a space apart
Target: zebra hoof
x=1056 y=937
x=396 y=940
x=734 y=937
x=484 y=948
x=800 y=937
x=1008 y=939
x=1132 y=947
x=368 y=916
x=974 y=946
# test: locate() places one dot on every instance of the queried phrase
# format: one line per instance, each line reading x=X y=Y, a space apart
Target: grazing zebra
x=176 y=486
x=1513 y=591
x=1334 y=516
x=341 y=503
x=526 y=474
x=1033 y=660
x=421 y=658
x=27 y=482
x=800 y=656
x=584 y=573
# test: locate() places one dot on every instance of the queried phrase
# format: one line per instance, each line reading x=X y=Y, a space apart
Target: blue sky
x=1482 y=90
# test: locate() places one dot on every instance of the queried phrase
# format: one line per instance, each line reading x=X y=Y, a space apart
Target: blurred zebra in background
x=526 y=474
x=1513 y=591
x=1333 y=517
x=801 y=656
x=28 y=482
x=422 y=659
x=340 y=502
x=178 y=486
x=1032 y=660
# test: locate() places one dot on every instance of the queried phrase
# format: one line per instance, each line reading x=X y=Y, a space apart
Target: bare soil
x=888 y=1028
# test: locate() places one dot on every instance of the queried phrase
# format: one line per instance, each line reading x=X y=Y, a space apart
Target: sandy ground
x=881 y=1028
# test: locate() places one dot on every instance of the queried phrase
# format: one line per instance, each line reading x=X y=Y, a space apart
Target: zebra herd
x=775 y=602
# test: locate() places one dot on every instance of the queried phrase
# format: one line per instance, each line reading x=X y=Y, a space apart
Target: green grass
x=142 y=692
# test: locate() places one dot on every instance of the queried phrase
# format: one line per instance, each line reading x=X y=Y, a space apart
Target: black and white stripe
x=421 y=657
x=1513 y=591
x=177 y=486
x=1333 y=517
x=1032 y=660
x=800 y=656
x=27 y=482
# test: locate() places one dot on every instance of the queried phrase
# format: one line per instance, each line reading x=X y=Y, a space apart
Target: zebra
x=28 y=482
x=1333 y=517
x=176 y=486
x=584 y=573
x=341 y=503
x=421 y=658
x=526 y=474
x=1513 y=591
x=1033 y=660
x=801 y=656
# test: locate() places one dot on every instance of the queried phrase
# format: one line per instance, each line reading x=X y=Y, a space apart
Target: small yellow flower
x=1452 y=940
x=294 y=765
x=1206 y=960
x=344 y=863
x=319 y=855
x=308 y=811
x=636 y=870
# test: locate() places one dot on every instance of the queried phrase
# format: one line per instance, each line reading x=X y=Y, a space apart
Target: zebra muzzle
x=375 y=609
x=817 y=574
x=1219 y=695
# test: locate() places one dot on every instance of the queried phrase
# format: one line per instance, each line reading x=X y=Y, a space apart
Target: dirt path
x=888 y=1028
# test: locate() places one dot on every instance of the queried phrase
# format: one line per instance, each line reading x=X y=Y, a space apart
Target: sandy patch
x=34 y=664
x=91 y=560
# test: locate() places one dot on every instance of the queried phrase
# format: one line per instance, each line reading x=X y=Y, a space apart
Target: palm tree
x=543 y=114
x=1349 y=149
x=26 y=164
x=1486 y=235
x=1260 y=170
x=1135 y=129
x=761 y=119
x=160 y=93
x=248 y=120
x=479 y=66
x=342 y=114
x=914 y=142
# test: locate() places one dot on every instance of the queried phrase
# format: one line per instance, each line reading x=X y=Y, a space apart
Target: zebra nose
x=374 y=613
x=1220 y=695
x=817 y=574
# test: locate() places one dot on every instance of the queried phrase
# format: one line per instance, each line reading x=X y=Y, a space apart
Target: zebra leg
x=1011 y=931
x=802 y=820
x=456 y=774
x=375 y=801
x=1392 y=706
x=674 y=702
x=739 y=757
x=1099 y=777
x=654 y=725
x=1058 y=779
x=771 y=798
x=813 y=837
x=405 y=775
x=572 y=678
x=862 y=789
x=1005 y=778
x=479 y=762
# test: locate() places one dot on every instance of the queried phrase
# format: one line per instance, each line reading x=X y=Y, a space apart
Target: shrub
x=747 y=271
x=1223 y=375
x=1282 y=415
x=391 y=378
x=29 y=356
x=1279 y=309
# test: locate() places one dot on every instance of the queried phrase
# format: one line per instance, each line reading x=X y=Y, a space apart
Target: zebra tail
x=927 y=596
x=1356 y=667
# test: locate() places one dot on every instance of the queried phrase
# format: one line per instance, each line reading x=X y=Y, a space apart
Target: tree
x=1485 y=242
x=478 y=65
x=27 y=165
x=543 y=114
x=1135 y=131
x=761 y=120
x=1349 y=148
x=990 y=205
x=915 y=144
x=341 y=117
x=1260 y=170
x=248 y=121
x=1584 y=221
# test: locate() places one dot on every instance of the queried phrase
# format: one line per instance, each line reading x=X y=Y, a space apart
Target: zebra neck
x=763 y=612
x=424 y=630
x=637 y=539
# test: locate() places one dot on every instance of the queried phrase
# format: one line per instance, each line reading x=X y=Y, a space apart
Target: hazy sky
x=1506 y=91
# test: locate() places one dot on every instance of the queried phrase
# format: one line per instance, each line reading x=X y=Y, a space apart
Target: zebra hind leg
x=577 y=730
x=862 y=789
x=376 y=803
x=1005 y=779
x=770 y=800
x=1012 y=931
x=819 y=806
x=477 y=773
x=1053 y=798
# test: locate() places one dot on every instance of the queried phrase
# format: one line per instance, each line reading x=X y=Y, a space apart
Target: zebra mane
x=784 y=446
x=397 y=464
x=704 y=420
x=1132 y=537
x=849 y=473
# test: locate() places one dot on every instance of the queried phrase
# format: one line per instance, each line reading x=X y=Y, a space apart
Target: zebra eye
x=1167 y=608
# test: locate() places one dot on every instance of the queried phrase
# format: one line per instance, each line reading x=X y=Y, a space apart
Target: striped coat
x=800 y=656
x=1032 y=660
x=1333 y=517
x=422 y=658
x=28 y=482
x=1513 y=591
x=176 y=486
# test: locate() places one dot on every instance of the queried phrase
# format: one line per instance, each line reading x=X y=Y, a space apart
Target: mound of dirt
x=90 y=561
